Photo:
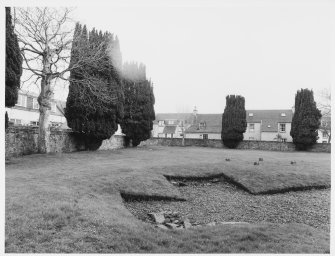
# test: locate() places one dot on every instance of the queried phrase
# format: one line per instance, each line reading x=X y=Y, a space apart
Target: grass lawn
x=72 y=202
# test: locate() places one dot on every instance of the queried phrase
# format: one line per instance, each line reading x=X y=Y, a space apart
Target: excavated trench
x=217 y=200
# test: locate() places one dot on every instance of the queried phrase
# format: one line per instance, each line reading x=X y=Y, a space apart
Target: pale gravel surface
x=222 y=201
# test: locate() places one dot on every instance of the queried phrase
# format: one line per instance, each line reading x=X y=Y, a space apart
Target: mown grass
x=72 y=203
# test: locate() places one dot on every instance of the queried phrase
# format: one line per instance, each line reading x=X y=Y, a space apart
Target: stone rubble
x=169 y=220
x=173 y=220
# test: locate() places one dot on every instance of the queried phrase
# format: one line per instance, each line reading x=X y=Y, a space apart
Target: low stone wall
x=22 y=140
x=251 y=144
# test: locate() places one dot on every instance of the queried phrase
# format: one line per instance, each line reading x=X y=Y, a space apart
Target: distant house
x=26 y=111
x=171 y=125
x=266 y=125
x=206 y=126
x=269 y=125
x=324 y=132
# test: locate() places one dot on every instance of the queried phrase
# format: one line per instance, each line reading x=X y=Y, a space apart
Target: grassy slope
x=275 y=173
x=72 y=202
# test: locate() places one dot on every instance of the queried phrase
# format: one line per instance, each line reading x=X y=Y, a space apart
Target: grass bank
x=72 y=203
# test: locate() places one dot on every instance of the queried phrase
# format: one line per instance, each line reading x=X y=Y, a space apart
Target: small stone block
x=158 y=217
x=187 y=223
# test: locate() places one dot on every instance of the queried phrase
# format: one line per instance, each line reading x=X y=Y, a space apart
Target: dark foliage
x=306 y=120
x=13 y=63
x=94 y=105
x=139 y=112
x=234 y=122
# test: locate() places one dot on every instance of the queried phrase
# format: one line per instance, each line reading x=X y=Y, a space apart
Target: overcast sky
x=198 y=52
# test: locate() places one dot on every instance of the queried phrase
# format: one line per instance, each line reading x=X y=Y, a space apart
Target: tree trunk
x=45 y=105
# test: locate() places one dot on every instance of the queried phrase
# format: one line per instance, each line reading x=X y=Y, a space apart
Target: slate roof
x=170 y=129
x=174 y=116
x=270 y=118
x=213 y=123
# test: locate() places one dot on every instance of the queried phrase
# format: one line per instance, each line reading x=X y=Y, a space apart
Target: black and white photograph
x=174 y=127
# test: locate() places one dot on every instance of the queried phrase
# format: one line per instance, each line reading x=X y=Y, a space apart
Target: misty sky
x=198 y=53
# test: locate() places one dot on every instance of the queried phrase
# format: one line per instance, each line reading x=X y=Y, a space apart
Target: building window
x=55 y=124
x=34 y=123
x=161 y=123
x=35 y=104
x=251 y=127
x=283 y=114
x=202 y=125
x=205 y=136
x=282 y=127
x=170 y=122
x=21 y=100
x=16 y=121
x=251 y=114
x=324 y=135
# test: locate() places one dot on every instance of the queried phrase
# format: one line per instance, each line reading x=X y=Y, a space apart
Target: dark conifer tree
x=306 y=120
x=13 y=64
x=6 y=120
x=95 y=101
x=139 y=112
x=234 y=122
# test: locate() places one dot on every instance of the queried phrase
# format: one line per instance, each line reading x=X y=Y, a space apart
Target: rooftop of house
x=170 y=129
x=206 y=123
x=174 y=116
x=211 y=123
x=269 y=118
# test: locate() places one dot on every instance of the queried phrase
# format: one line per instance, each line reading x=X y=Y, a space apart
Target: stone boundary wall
x=246 y=144
x=22 y=140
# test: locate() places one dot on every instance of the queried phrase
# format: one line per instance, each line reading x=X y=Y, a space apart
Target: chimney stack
x=195 y=112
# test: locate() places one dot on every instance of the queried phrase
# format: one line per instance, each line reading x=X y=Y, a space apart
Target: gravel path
x=221 y=201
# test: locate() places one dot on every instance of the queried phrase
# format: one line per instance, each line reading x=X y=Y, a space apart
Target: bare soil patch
x=217 y=200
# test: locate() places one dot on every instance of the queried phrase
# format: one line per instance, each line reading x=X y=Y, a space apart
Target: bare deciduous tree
x=324 y=104
x=45 y=36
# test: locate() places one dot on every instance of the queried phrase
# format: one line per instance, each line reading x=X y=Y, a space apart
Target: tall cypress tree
x=95 y=101
x=234 y=122
x=13 y=65
x=306 y=120
x=139 y=110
